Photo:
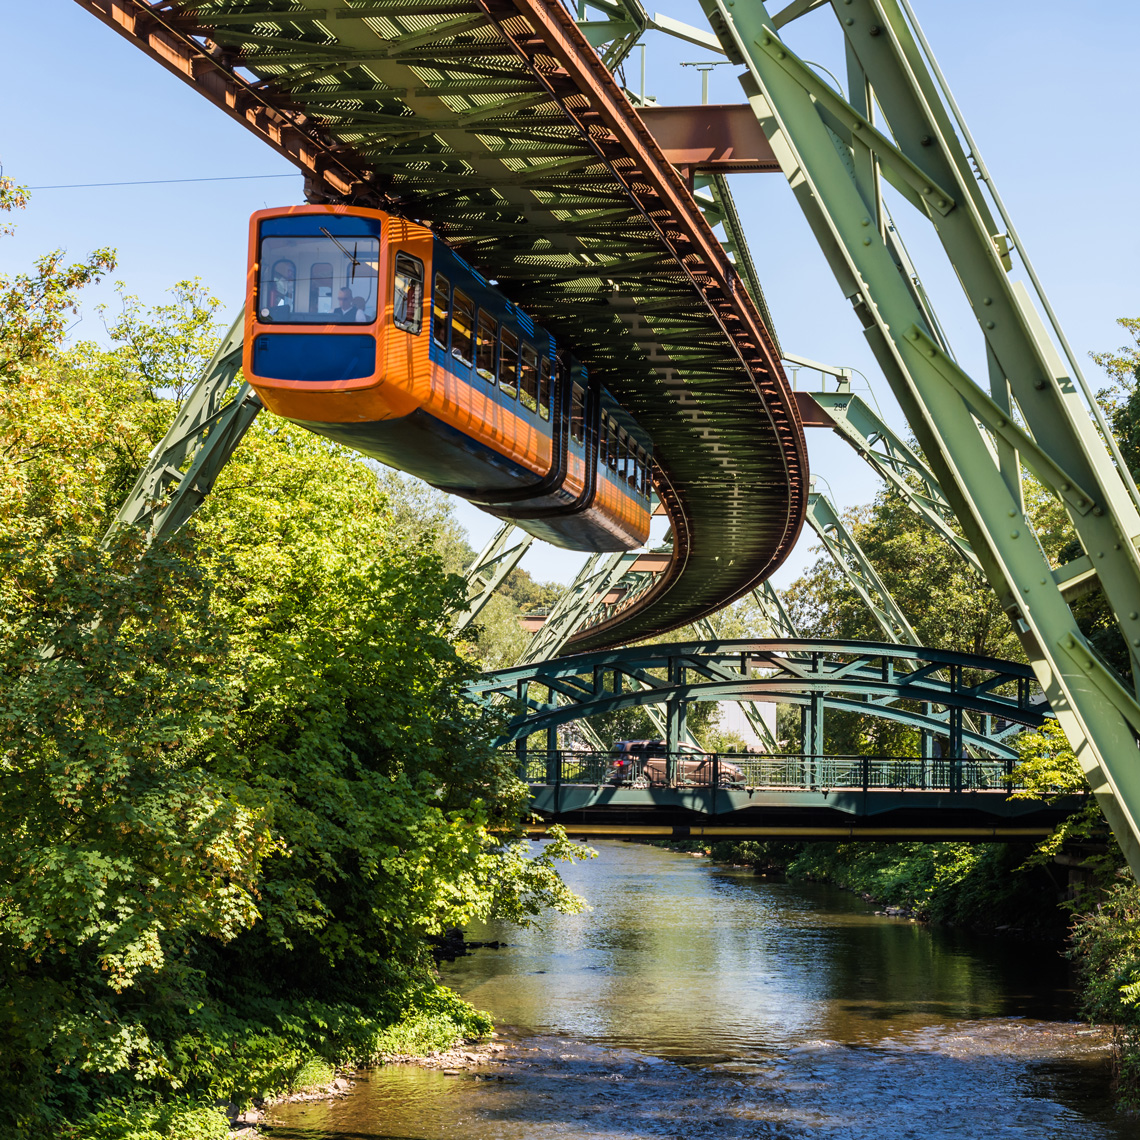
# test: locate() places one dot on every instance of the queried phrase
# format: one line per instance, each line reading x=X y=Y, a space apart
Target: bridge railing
x=750 y=771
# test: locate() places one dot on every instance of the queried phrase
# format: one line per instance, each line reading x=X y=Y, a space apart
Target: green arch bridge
x=966 y=712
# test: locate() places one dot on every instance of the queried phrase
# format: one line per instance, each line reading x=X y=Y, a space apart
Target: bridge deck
x=797 y=814
x=495 y=122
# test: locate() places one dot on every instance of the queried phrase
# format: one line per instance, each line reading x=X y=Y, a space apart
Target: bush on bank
x=238 y=787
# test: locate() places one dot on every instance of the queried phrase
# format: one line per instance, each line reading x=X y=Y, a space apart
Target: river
x=698 y=1001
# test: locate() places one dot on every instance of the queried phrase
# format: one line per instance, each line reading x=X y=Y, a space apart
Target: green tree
x=238 y=785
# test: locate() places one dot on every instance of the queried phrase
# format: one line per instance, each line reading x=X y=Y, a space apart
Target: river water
x=698 y=1001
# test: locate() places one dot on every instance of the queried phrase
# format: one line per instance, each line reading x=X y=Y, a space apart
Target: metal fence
x=760 y=771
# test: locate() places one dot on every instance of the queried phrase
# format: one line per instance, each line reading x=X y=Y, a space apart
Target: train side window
x=528 y=377
x=408 y=294
x=544 y=388
x=509 y=362
x=321 y=287
x=603 y=440
x=462 y=326
x=612 y=458
x=646 y=474
x=578 y=415
x=630 y=462
x=441 y=310
x=485 y=347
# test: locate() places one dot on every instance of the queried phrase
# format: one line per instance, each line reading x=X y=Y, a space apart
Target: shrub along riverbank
x=238 y=787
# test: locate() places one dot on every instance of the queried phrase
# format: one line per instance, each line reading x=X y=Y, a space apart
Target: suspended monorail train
x=368 y=329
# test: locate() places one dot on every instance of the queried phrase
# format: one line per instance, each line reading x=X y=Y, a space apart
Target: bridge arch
x=957 y=787
x=974 y=702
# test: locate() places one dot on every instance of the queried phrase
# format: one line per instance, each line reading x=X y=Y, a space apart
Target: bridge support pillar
x=956 y=749
x=553 y=765
x=927 y=753
x=521 y=743
x=812 y=723
x=676 y=716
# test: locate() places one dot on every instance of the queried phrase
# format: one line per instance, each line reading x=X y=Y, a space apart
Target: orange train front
x=368 y=329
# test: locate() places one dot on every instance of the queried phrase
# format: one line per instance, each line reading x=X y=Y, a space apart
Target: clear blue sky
x=1049 y=90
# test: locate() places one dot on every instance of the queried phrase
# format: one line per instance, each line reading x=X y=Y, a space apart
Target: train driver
x=346 y=306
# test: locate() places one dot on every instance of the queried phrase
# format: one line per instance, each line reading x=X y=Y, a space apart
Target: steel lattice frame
x=833 y=157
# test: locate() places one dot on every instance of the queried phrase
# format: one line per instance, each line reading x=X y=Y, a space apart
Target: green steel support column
x=825 y=521
x=677 y=729
x=582 y=598
x=181 y=470
x=957 y=752
x=922 y=151
x=484 y=576
x=521 y=743
x=553 y=767
x=813 y=748
x=896 y=463
x=775 y=612
x=617 y=32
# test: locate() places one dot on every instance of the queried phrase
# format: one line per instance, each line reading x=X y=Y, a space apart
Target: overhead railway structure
x=496 y=123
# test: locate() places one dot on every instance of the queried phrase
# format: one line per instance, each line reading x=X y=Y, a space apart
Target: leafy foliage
x=238 y=785
x=1106 y=947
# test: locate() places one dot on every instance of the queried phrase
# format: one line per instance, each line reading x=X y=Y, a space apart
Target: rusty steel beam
x=714 y=138
x=269 y=115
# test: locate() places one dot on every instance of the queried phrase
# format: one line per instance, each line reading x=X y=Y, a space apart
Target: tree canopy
x=239 y=786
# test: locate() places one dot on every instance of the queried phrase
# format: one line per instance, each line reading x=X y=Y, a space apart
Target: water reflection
x=678 y=959
x=705 y=1002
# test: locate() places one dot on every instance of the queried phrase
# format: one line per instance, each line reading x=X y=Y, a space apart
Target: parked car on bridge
x=644 y=764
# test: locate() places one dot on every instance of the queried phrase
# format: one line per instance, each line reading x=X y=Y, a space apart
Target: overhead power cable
x=166 y=181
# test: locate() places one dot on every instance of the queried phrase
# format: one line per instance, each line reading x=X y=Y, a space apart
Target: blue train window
x=441 y=310
x=578 y=415
x=485 y=347
x=408 y=293
x=509 y=362
x=528 y=377
x=462 y=327
x=544 y=388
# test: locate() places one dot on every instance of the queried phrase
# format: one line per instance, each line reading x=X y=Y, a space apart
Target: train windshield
x=318 y=278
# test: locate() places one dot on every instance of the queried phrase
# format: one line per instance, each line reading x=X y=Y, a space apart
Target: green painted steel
x=973 y=440
x=181 y=470
x=493 y=563
x=898 y=464
x=782 y=771
x=775 y=613
x=928 y=690
x=856 y=567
